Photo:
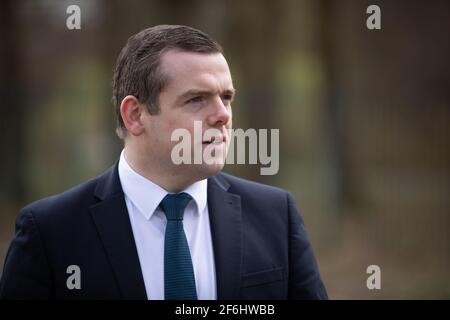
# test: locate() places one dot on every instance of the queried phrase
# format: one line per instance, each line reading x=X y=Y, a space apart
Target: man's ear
x=131 y=111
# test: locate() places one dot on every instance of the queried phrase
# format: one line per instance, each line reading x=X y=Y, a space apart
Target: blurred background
x=364 y=118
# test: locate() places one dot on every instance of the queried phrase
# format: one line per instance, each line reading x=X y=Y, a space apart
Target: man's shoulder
x=261 y=204
x=243 y=186
x=77 y=198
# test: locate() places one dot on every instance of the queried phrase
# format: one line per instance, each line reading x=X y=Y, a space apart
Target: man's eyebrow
x=195 y=92
x=230 y=91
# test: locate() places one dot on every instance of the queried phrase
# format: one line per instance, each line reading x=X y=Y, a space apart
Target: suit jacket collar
x=111 y=218
x=226 y=229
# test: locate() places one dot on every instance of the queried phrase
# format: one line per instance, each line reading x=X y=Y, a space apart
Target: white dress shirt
x=148 y=222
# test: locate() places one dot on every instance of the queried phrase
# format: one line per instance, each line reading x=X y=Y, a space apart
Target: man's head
x=166 y=78
x=138 y=67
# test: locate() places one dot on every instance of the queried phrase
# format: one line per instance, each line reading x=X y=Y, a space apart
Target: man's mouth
x=215 y=140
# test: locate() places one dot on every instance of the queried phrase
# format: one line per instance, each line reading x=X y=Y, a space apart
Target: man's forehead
x=182 y=66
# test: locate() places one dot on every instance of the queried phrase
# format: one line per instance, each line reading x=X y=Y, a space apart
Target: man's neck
x=169 y=181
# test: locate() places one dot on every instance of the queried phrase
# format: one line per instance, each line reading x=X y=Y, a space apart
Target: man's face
x=199 y=88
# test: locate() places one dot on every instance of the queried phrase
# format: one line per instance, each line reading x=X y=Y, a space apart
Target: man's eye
x=227 y=97
x=195 y=99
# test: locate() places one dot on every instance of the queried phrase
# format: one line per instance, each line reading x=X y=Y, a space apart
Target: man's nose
x=220 y=113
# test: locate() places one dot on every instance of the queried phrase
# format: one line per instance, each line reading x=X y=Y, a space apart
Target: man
x=152 y=229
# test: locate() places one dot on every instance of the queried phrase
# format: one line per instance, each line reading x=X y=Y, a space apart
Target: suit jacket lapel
x=226 y=229
x=111 y=218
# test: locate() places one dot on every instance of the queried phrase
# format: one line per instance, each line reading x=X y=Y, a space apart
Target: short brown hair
x=137 y=69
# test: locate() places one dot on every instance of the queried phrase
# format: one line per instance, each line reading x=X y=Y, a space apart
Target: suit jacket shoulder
x=254 y=193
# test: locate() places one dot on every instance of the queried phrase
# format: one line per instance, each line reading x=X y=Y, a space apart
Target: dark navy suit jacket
x=261 y=249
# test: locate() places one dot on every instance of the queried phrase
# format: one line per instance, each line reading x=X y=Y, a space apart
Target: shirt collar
x=147 y=195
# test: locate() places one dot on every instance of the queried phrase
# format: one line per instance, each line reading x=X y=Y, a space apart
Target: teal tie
x=179 y=279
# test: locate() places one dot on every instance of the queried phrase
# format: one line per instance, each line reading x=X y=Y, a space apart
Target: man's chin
x=208 y=170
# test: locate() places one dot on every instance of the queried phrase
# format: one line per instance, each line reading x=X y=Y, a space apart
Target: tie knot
x=173 y=205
